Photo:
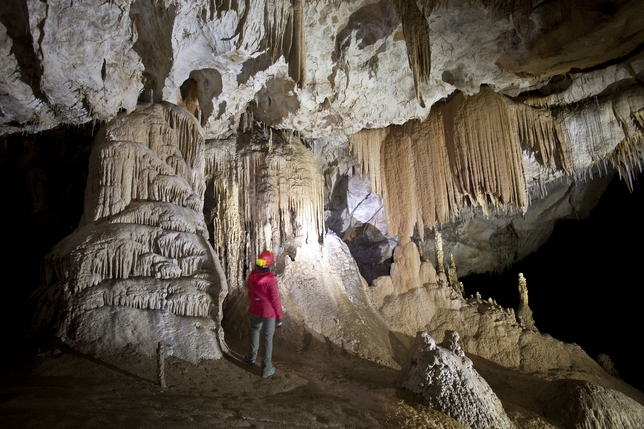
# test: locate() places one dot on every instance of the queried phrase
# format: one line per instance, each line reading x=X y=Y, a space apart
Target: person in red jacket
x=265 y=311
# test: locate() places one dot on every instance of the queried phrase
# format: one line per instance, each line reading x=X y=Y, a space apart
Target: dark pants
x=267 y=327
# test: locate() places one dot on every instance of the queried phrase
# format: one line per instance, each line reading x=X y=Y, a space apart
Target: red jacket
x=263 y=298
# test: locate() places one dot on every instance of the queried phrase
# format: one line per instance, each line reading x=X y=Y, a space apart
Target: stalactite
x=365 y=146
x=467 y=153
x=416 y=33
x=182 y=297
x=175 y=245
x=297 y=52
x=605 y=130
x=164 y=215
x=191 y=264
x=629 y=153
x=627 y=159
x=188 y=135
x=284 y=30
x=484 y=152
x=543 y=135
x=268 y=195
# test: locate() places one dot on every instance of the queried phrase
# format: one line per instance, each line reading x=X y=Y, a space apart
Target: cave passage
x=584 y=284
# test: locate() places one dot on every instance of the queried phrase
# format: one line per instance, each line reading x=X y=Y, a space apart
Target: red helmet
x=265 y=259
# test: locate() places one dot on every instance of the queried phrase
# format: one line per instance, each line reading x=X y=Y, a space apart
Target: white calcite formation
x=453 y=111
x=524 y=313
x=139 y=269
x=317 y=66
x=447 y=381
x=326 y=300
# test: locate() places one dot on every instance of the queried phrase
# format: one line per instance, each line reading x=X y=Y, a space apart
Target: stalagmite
x=447 y=381
x=588 y=405
x=524 y=314
x=161 y=365
x=607 y=364
x=452 y=276
x=440 y=264
x=141 y=256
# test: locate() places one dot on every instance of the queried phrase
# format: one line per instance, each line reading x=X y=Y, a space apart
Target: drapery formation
x=467 y=152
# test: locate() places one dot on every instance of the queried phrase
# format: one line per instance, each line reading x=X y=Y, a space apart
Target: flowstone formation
x=139 y=268
x=447 y=381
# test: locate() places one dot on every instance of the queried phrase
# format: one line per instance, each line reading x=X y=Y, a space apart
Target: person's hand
x=279 y=322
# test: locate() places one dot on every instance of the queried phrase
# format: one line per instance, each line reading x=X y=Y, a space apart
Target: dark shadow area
x=42 y=187
x=64 y=348
x=584 y=284
x=14 y=15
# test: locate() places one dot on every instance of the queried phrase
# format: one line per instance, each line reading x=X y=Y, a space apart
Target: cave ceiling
x=517 y=100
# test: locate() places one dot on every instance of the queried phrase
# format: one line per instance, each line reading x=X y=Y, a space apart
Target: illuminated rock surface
x=447 y=381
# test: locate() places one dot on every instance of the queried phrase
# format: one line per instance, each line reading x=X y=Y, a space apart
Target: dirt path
x=309 y=390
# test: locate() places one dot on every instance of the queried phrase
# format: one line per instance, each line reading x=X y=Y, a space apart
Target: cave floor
x=309 y=390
